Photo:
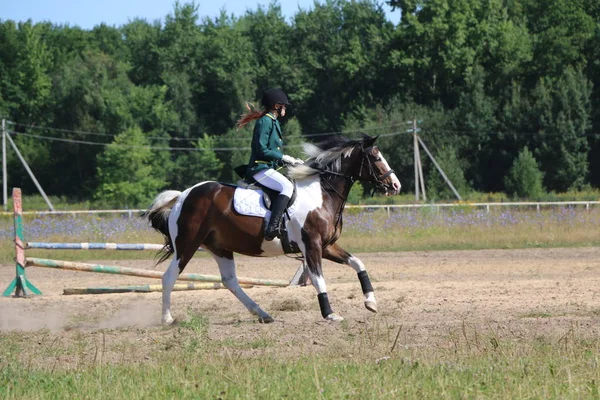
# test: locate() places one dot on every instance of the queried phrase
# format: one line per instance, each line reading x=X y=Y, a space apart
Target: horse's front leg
x=313 y=257
x=336 y=254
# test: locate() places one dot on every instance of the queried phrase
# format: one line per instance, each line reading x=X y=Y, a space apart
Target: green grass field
x=474 y=365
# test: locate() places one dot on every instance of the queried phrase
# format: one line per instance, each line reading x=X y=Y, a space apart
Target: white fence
x=388 y=208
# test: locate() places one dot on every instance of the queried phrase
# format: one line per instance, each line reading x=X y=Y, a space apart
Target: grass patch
x=470 y=365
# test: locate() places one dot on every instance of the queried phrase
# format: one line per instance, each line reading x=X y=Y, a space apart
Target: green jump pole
x=148 y=288
x=20 y=285
x=113 y=269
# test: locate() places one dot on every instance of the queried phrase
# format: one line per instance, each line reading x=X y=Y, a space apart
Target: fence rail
x=388 y=207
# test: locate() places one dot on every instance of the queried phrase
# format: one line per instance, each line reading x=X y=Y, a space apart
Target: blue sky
x=88 y=13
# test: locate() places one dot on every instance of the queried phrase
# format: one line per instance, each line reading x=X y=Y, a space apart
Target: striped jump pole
x=92 y=246
x=147 y=288
x=112 y=269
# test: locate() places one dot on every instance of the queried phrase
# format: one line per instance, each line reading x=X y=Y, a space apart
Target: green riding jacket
x=267 y=145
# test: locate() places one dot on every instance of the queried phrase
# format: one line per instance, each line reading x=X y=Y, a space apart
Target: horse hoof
x=333 y=317
x=167 y=322
x=266 y=320
x=371 y=306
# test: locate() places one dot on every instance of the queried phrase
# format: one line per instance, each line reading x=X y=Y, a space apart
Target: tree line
x=117 y=113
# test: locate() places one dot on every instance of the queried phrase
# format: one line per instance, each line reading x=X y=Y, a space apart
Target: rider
x=267 y=144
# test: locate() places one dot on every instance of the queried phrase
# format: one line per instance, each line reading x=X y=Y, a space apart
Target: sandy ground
x=426 y=296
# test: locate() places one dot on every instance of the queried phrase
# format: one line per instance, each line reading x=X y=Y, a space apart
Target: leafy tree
x=239 y=141
x=125 y=173
x=142 y=41
x=437 y=188
x=197 y=166
x=32 y=75
x=339 y=75
x=560 y=113
x=227 y=65
x=475 y=118
x=560 y=29
x=524 y=179
x=292 y=138
x=270 y=36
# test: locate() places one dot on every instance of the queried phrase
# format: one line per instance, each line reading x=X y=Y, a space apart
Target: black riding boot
x=277 y=208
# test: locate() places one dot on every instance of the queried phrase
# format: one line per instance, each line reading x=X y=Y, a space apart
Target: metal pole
x=37 y=184
x=440 y=169
x=4 y=174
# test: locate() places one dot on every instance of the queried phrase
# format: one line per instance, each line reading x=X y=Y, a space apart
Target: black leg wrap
x=324 y=304
x=365 y=282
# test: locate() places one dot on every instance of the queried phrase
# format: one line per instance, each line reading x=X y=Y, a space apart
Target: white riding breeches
x=274 y=180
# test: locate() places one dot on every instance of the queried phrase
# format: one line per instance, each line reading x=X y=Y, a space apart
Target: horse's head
x=356 y=160
x=375 y=169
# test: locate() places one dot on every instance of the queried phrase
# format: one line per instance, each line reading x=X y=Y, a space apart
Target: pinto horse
x=204 y=216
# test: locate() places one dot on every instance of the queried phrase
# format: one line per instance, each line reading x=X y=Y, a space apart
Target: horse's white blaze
x=393 y=177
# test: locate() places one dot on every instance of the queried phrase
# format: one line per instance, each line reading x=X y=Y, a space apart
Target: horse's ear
x=368 y=141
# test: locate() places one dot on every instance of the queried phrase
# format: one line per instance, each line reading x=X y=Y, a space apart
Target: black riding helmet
x=272 y=97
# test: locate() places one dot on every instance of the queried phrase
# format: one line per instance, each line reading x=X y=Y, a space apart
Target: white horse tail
x=158 y=216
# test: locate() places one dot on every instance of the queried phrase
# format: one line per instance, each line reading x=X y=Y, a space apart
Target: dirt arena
x=426 y=296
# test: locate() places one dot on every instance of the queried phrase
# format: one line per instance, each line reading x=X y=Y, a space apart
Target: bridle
x=376 y=180
x=371 y=176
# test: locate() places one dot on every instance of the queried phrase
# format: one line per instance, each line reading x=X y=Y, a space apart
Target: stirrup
x=275 y=233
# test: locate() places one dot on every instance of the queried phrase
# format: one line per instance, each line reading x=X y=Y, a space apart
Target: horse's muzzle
x=391 y=185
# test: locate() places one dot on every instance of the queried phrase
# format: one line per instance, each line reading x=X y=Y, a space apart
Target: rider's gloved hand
x=288 y=159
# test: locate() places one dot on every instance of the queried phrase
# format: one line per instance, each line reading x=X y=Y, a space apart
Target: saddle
x=268 y=194
x=248 y=202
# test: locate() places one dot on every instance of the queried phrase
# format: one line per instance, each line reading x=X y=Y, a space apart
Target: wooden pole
x=20 y=284
x=416 y=151
x=111 y=269
x=4 y=172
x=147 y=288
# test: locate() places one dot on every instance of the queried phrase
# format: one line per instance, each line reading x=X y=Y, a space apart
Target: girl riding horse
x=205 y=216
x=267 y=145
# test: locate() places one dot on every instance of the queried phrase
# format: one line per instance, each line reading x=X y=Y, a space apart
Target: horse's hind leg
x=168 y=281
x=336 y=254
x=230 y=280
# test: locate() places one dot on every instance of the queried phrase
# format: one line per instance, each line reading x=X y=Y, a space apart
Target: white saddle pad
x=249 y=202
